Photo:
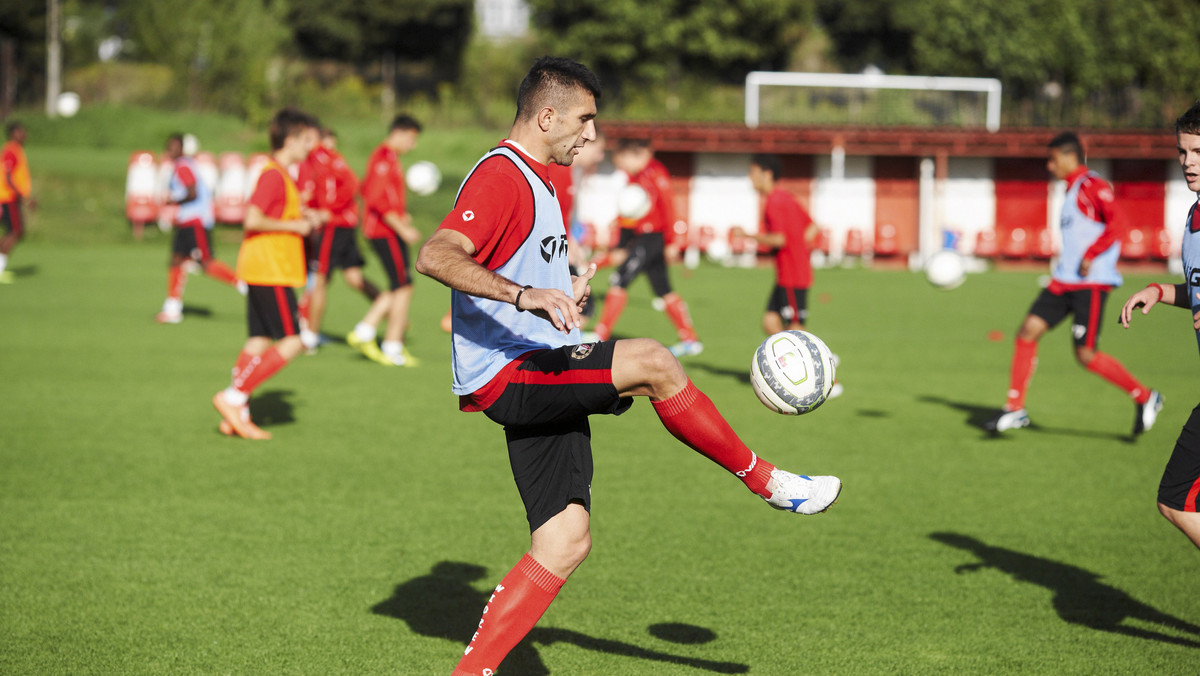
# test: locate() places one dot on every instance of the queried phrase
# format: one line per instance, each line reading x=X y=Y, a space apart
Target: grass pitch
x=365 y=537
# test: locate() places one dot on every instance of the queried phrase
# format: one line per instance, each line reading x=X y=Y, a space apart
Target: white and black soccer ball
x=633 y=202
x=423 y=178
x=792 y=372
x=946 y=269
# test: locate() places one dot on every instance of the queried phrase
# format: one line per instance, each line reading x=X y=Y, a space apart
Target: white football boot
x=1008 y=420
x=802 y=494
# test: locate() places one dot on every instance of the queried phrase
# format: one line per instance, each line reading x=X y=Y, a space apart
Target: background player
x=16 y=191
x=645 y=245
x=271 y=262
x=516 y=324
x=332 y=190
x=1086 y=271
x=1179 y=490
x=388 y=226
x=190 y=239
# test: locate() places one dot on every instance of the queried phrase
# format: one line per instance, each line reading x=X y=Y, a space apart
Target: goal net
x=871 y=100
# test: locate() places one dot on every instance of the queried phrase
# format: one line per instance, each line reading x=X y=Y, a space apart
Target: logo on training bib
x=554 y=246
x=582 y=351
x=468 y=215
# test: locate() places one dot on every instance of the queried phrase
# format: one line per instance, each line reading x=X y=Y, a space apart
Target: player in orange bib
x=15 y=192
x=271 y=262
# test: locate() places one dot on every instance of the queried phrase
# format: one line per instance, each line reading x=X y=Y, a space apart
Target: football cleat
x=802 y=494
x=1007 y=420
x=368 y=348
x=168 y=317
x=836 y=391
x=1147 y=413
x=232 y=417
x=687 y=348
x=7 y=277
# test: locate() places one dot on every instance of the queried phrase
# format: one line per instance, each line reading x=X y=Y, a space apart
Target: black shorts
x=544 y=410
x=790 y=303
x=393 y=253
x=312 y=244
x=338 y=248
x=191 y=241
x=1180 y=483
x=11 y=218
x=271 y=312
x=646 y=254
x=1087 y=305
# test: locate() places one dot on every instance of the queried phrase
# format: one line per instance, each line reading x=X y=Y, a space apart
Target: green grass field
x=365 y=538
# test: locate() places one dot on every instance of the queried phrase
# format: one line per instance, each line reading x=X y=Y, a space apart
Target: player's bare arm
x=402 y=224
x=257 y=221
x=1171 y=294
x=446 y=257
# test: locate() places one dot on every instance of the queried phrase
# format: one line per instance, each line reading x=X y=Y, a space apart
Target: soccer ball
x=633 y=202
x=792 y=372
x=423 y=178
x=946 y=270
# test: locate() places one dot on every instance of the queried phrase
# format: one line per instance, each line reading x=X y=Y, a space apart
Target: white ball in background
x=191 y=144
x=946 y=269
x=67 y=104
x=423 y=178
x=633 y=202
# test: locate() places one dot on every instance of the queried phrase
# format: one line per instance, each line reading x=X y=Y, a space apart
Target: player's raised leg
x=644 y=367
x=1024 y=362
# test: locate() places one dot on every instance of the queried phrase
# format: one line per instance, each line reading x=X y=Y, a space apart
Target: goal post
x=756 y=80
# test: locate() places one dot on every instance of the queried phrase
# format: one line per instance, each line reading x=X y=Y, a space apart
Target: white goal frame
x=758 y=78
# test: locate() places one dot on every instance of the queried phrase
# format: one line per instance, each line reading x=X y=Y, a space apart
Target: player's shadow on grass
x=445 y=604
x=741 y=375
x=978 y=416
x=196 y=311
x=272 y=408
x=23 y=270
x=1079 y=596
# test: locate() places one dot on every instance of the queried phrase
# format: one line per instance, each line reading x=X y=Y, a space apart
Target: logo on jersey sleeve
x=1194 y=278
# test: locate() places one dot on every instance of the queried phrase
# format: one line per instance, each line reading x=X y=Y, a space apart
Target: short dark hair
x=1189 y=122
x=175 y=137
x=405 y=121
x=12 y=128
x=286 y=123
x=550 y=81
x=630 y=144
x=1068 y=142
x=768 y=162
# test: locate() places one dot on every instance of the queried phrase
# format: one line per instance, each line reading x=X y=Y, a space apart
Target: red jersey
x=14 y=168
x=782 y=213
x=1096 y=203
x=656 y=181
x=310 y=177
x=564 y=189
x=382 y=191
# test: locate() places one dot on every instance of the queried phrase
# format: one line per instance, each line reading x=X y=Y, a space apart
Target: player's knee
x=1084 y=355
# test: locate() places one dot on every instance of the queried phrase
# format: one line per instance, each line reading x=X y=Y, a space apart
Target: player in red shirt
x=388 y=226
x=271 y=261
x=646 y=243
x=1084 y=273
x=330 y=187
x=16 y=191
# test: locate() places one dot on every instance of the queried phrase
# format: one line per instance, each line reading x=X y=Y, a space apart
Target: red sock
x=1024 y=362
x=220 y=272
x=1111 y=370
x=614 y=305
x=258 y=369
x=517 y=604
x=693 y=419
x=243 y=360
x=303 y=305
x=176 y=280
x=678 y=312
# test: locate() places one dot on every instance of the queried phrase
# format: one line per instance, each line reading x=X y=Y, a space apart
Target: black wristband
x=517 y=300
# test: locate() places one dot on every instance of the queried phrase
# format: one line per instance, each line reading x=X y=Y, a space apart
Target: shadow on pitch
x=1079 y=596
x=272 y=408
x=445 y=604
x=741 y=375
x=194 y=311
x=23 y=270
x=977 y=417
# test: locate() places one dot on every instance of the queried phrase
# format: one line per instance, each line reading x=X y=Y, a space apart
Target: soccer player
x=193 y=222
x=16 y=191
x=1085 y=273
x=332 y=188
x=517 y=357
x=647 y=244
x=789 y=231
x=1179 y=490
x=271 y=262
x=388 y=226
